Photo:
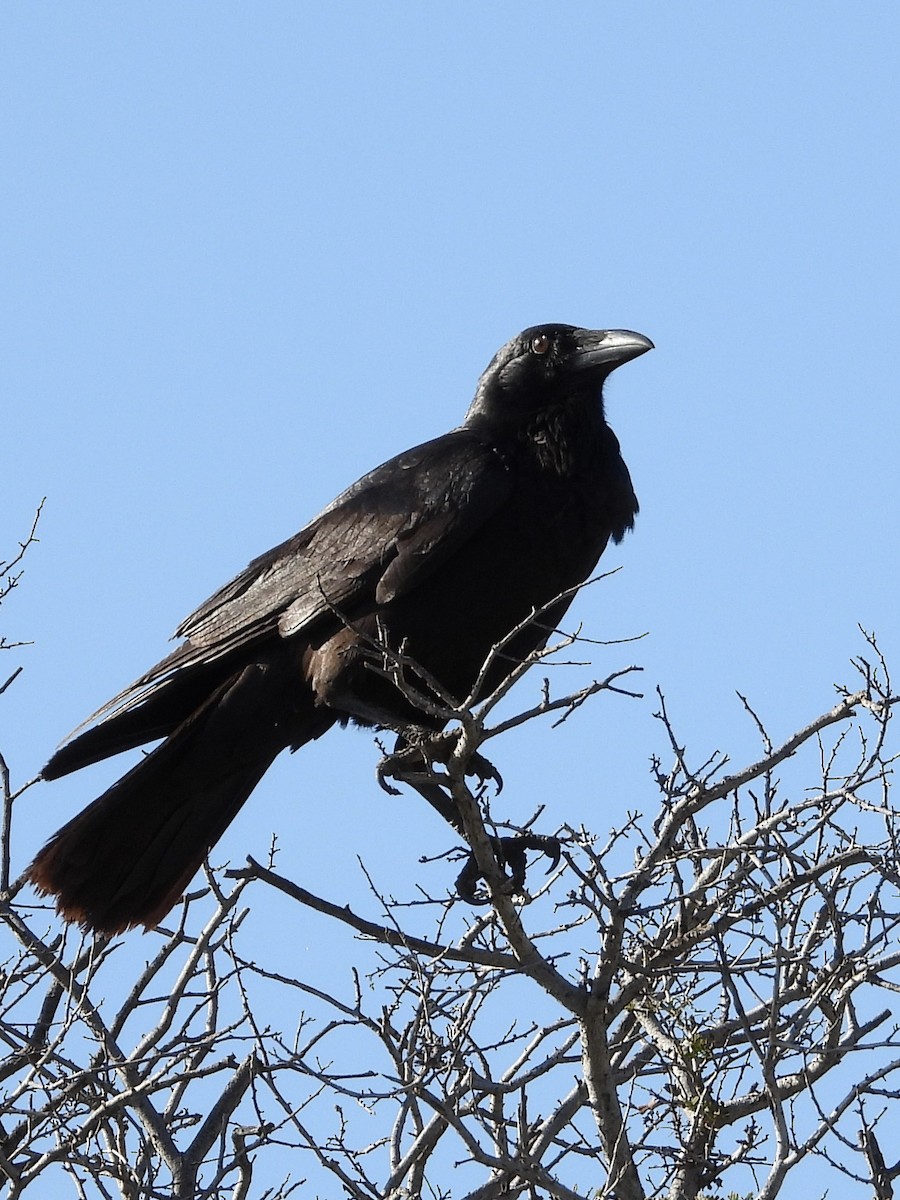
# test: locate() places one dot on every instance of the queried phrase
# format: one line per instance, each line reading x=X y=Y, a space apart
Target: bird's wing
x=378 y=540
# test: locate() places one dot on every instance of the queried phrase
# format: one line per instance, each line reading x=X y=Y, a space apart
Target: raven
x=442 y=551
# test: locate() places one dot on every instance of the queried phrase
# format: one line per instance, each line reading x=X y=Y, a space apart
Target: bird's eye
x=540 y=343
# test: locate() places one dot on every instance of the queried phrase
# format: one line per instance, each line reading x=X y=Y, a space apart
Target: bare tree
x=697 y=1000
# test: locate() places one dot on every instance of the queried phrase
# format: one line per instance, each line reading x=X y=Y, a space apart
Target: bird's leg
x=409 y=763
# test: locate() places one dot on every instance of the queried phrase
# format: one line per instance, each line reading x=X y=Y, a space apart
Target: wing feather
x=378 y=540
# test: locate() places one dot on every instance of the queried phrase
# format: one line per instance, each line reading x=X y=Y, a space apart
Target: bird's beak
x=607 y=348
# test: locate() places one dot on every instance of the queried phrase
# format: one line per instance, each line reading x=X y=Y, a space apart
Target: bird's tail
x=128 y=857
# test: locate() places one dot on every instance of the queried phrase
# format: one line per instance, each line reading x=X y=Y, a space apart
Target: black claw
x=485 y=772
x=386 y=767
x=550 y=847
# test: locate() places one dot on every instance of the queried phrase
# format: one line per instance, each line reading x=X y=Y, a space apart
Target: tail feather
x=138 y=715
x=128 y=857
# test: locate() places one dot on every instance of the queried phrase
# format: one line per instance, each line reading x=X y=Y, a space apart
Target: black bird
x=444 y=549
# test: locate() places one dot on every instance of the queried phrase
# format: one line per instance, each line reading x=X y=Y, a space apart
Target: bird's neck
x=567 y=437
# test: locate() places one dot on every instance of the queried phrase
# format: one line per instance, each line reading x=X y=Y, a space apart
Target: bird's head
x=547 y=365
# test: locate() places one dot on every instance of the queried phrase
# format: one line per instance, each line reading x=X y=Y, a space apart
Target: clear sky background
x=251 y=250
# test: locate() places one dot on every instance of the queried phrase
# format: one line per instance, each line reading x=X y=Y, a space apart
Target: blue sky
x=250 y=251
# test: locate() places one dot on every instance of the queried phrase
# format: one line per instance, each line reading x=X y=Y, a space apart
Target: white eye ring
x=540 y=343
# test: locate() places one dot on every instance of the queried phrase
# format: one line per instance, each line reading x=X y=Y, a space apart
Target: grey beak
x=608 y=347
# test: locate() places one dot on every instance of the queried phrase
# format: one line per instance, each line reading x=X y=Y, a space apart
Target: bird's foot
x=510 y=853
x=409 y=759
